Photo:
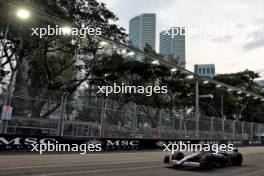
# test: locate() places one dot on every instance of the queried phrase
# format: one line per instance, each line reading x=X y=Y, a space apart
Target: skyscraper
x=172 y=44
x=142 y=30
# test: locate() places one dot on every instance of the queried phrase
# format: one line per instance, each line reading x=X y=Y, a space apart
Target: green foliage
x=52 y=62
x=246 y=108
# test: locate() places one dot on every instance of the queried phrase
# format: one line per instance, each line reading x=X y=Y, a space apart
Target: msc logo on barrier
x=20 y=141
x=121 y=144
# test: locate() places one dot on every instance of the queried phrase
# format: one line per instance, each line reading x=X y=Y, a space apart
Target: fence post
x=7 y=102
x=212 y=127
x=260 y=128
x=180 y=127
x=160 y=122
x=61 y=120
x=184 y=121
x=251 y=130
x=234 y=128
x=135 y=122
x=173 y=122
x=223 y=127
x=242 y=129
x=104 y=105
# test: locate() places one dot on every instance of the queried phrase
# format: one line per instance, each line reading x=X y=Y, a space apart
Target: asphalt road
x=119 y=164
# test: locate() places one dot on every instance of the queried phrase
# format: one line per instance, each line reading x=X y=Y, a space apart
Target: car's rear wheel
x=166 y=159
x=206 y=162
x=206 y=165
x=177 y=156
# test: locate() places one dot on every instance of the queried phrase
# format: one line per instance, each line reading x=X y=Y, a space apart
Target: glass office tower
x=172 y=44
x=142 y=30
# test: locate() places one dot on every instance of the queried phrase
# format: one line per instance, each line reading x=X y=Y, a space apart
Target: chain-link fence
x=39 y=114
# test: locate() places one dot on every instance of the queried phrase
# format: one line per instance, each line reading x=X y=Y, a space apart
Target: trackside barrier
x=24 y=142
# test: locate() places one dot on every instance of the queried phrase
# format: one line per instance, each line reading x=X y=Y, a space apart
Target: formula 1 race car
x=204 y=160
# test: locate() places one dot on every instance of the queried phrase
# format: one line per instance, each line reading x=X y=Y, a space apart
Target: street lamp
x=207 y=96
x=229 y=90
x=66 y=30
x=197 y=109
x=23 y=14
x=206 y=82
x=131 y=53
x=189 y=77
x=173 y=70
x=103 y=44
x=155 y=62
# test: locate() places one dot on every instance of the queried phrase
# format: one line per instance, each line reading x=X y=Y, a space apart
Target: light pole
x=197 y=109
x=223 y=117
x=102 y=125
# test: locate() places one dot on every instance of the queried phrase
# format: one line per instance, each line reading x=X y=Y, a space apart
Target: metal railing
x=101 y=118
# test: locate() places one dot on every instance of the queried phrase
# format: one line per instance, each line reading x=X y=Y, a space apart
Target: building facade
x=142 y=30
x=206 y=70
x=172 y=44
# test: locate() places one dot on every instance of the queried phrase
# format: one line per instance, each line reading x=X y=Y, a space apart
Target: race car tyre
x=206 y=165
x=177 y=156
x=166 y=159
x=237 y=159
x=206 y=162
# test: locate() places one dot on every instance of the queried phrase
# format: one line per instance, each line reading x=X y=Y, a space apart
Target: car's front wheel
x=237 y=159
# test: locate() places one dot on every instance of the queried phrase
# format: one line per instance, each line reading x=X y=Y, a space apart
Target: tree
x=247 y=108
x=51 y=62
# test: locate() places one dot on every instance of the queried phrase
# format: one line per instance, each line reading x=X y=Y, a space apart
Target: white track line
x=76 y=154
x=69 y=165
x=103 y=170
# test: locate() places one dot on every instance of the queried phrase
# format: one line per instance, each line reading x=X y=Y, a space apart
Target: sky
x=230 y=32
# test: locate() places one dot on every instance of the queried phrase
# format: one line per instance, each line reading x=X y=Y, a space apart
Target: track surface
x=119 y=164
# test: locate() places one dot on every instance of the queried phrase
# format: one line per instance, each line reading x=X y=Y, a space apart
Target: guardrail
x=25 y=142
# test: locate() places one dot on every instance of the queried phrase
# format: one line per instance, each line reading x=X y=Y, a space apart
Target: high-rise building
x=142 y=30
x=206 y=70
x=172 y=44
x=261 y=83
